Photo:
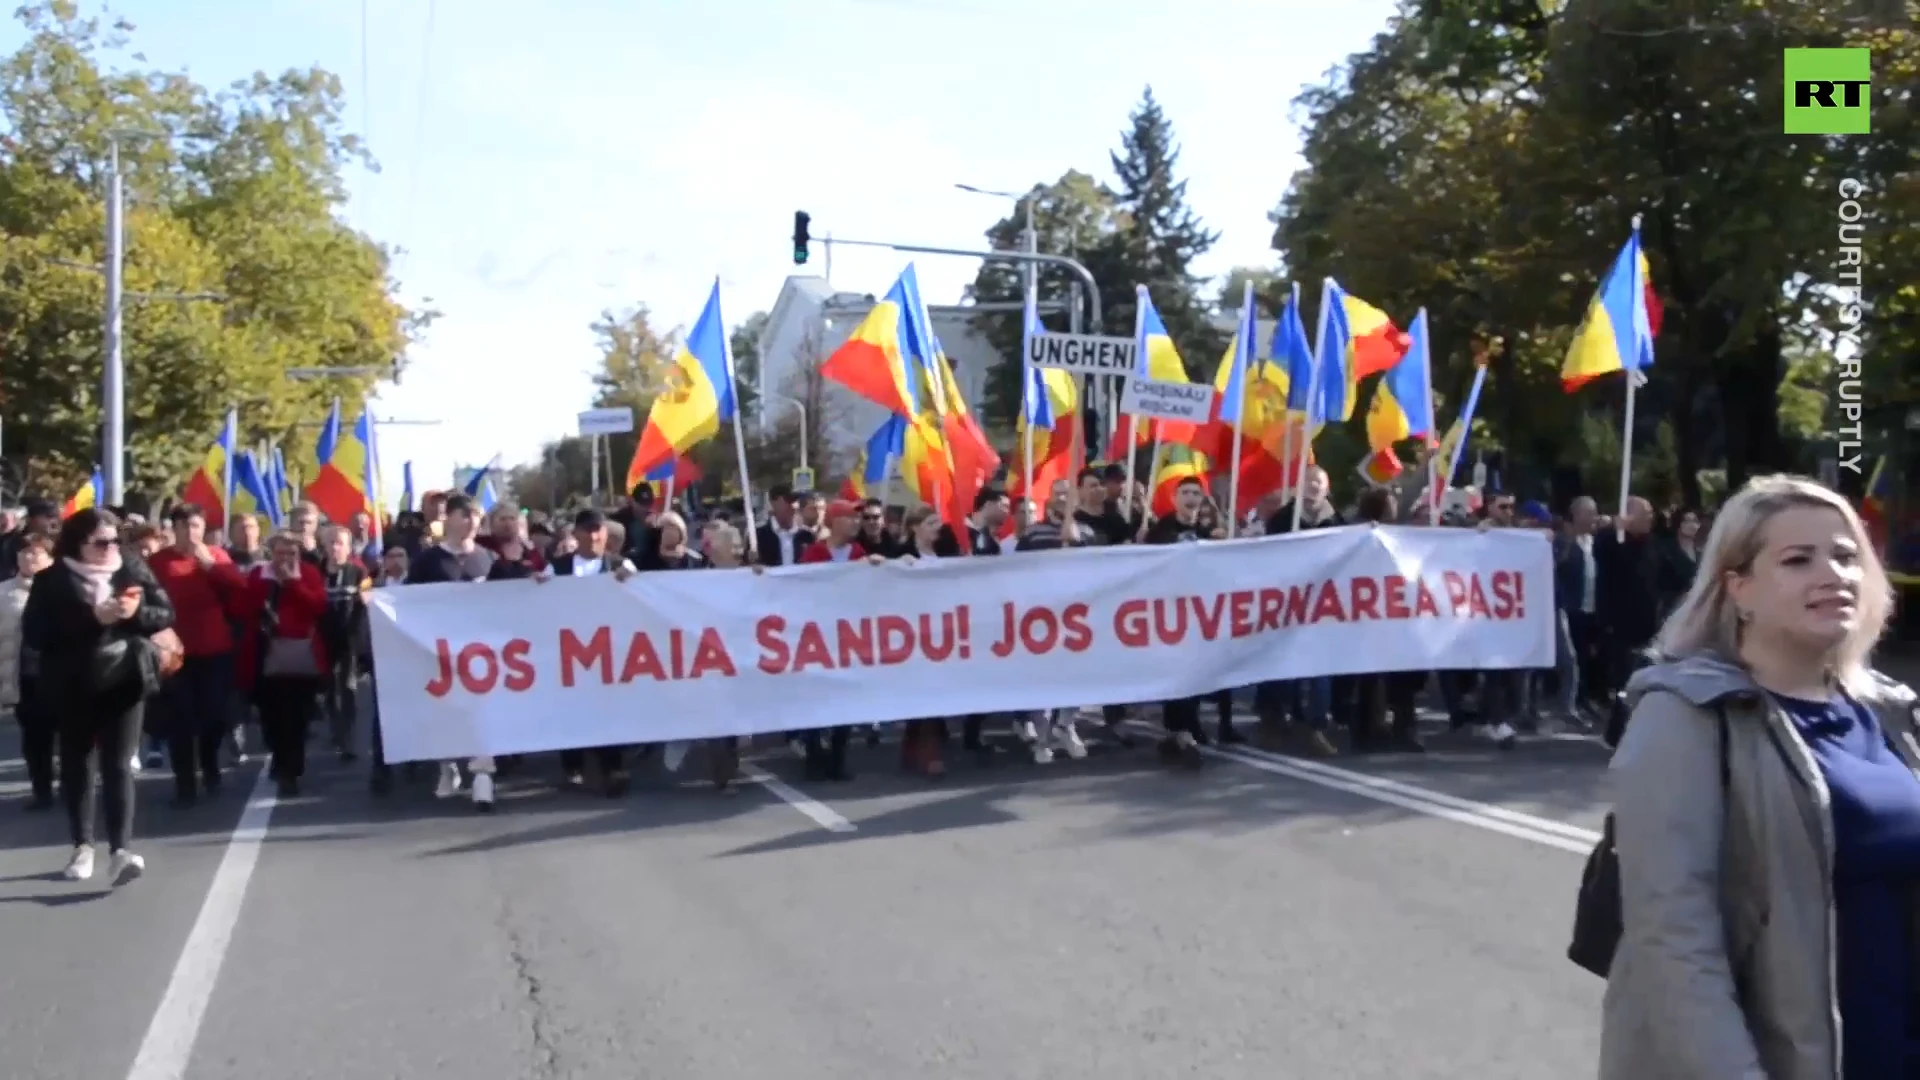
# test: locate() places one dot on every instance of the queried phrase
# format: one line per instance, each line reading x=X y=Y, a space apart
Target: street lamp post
x=802 y=407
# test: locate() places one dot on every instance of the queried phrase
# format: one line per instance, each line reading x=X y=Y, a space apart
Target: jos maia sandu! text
x=788 y=646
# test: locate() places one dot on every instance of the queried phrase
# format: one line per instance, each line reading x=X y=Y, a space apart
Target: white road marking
x=820 y=812
x=165 y=1052
x=1499 y=819
x=1553 y=834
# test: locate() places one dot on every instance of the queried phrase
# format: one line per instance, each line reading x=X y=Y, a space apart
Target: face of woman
x=723 y=552
x=98 y=549
x=32 y=560
x=1689 y=526
x=1805 y=582
x=927 y=532
x=671 y=538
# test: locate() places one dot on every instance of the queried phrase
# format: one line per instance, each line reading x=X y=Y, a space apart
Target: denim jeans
x=1566 y=664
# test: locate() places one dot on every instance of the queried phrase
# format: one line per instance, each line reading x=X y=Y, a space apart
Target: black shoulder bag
x=1597 y=921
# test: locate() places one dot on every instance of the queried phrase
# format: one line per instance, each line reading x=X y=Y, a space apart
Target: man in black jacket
x=983 y=527
x=1305 y=706
x=782 y=538
x=590 y=557
x=345 y=633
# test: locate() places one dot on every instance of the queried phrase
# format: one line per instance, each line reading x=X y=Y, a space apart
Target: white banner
x=523 y=666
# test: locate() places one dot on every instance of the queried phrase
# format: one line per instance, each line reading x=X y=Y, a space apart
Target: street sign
x=1188 y=402
x=803 y=479
x=614 y=421
x=1088 y=354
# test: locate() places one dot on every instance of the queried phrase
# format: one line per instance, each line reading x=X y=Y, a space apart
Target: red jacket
x=302 y=605
x=822 y=551
x=201 y=598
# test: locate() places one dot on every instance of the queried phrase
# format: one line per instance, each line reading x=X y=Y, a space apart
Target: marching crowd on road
x=1751 y=903
x=263 y=641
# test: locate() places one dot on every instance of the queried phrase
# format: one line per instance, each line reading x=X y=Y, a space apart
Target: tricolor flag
x=91 y=494
x=1621 y=321
x=699 y=395
x=211 y=485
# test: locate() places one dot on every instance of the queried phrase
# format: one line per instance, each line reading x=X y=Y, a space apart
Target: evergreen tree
x=1158 y=239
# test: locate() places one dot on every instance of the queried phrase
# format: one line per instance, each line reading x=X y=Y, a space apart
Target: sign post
x=1084 y=354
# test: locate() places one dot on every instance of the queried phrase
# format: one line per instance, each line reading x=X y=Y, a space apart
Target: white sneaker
x=1503 y=735
x=449 y=784
x=482 y=792
x=675 y=756
x=134 y=764
x=1042 y=756
x=127 y=866
x=1067 y=737
x=80 y=866
x=1026 y=732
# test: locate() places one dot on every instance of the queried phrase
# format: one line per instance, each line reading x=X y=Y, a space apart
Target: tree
x=1139 y=232
x=1266 y=284
x=231 y=197
x=1158 y=239
x=1485 y=160
x=1072 y=216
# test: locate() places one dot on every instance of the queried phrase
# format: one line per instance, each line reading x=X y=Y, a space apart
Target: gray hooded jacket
x=1725 y=969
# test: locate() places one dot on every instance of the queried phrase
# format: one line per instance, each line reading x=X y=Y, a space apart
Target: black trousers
x=286 y=713
x=832 y=757
x=341 y=692
x=1182 y=714
x=107 y=732
x=608 y=758
x=38 y=732
x=1589 y=654
x=199 y=716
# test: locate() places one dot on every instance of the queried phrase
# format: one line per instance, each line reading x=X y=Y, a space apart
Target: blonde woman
x=1767 y=815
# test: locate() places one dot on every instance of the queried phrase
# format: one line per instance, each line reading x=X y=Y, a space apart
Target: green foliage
x=1138 y=232
x=237 y=266
x=635 y=359
x=1485 y=160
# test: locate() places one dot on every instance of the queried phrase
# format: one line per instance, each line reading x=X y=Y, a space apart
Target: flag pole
x=1626 y=421
x=1433 y=453
x=1248 y=328
x=1140 y=301
x=1313 y=396
x=1286 y=412
x=739 y=441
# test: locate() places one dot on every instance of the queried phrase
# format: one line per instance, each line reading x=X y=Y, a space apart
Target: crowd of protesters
x=276 y=651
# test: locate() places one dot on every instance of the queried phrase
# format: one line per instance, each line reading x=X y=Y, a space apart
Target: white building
x=809 y=320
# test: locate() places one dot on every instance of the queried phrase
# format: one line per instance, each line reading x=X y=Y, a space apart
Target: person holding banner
x=782 y=538
x=726 y=550
x=593 y=555
x=1181 y=717
x=921 y=740
x=1302 y=705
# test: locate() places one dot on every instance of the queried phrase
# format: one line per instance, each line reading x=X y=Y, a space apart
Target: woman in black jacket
x=90 y=617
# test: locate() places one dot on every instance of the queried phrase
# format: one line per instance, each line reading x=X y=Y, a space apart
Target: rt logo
x=1829 y=91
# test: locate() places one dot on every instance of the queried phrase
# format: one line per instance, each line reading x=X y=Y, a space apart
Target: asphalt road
x=1101 y=918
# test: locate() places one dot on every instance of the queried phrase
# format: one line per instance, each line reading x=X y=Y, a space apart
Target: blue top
x=1876 y=831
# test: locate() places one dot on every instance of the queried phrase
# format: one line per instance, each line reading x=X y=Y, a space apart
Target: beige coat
x=13 y=603
x=1726 y=965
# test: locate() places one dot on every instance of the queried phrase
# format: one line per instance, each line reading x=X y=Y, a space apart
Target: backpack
x=1597 y=919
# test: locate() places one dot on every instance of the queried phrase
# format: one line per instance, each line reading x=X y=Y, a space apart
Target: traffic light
x=802 y=222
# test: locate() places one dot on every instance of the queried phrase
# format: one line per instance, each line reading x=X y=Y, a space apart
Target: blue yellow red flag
x=1621 y=323
x=1402 y=406
x=698 y=399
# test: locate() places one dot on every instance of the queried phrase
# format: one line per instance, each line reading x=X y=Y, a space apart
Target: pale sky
x=543 y=161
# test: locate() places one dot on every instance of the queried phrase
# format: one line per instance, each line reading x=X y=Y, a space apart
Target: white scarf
x=96 y=578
